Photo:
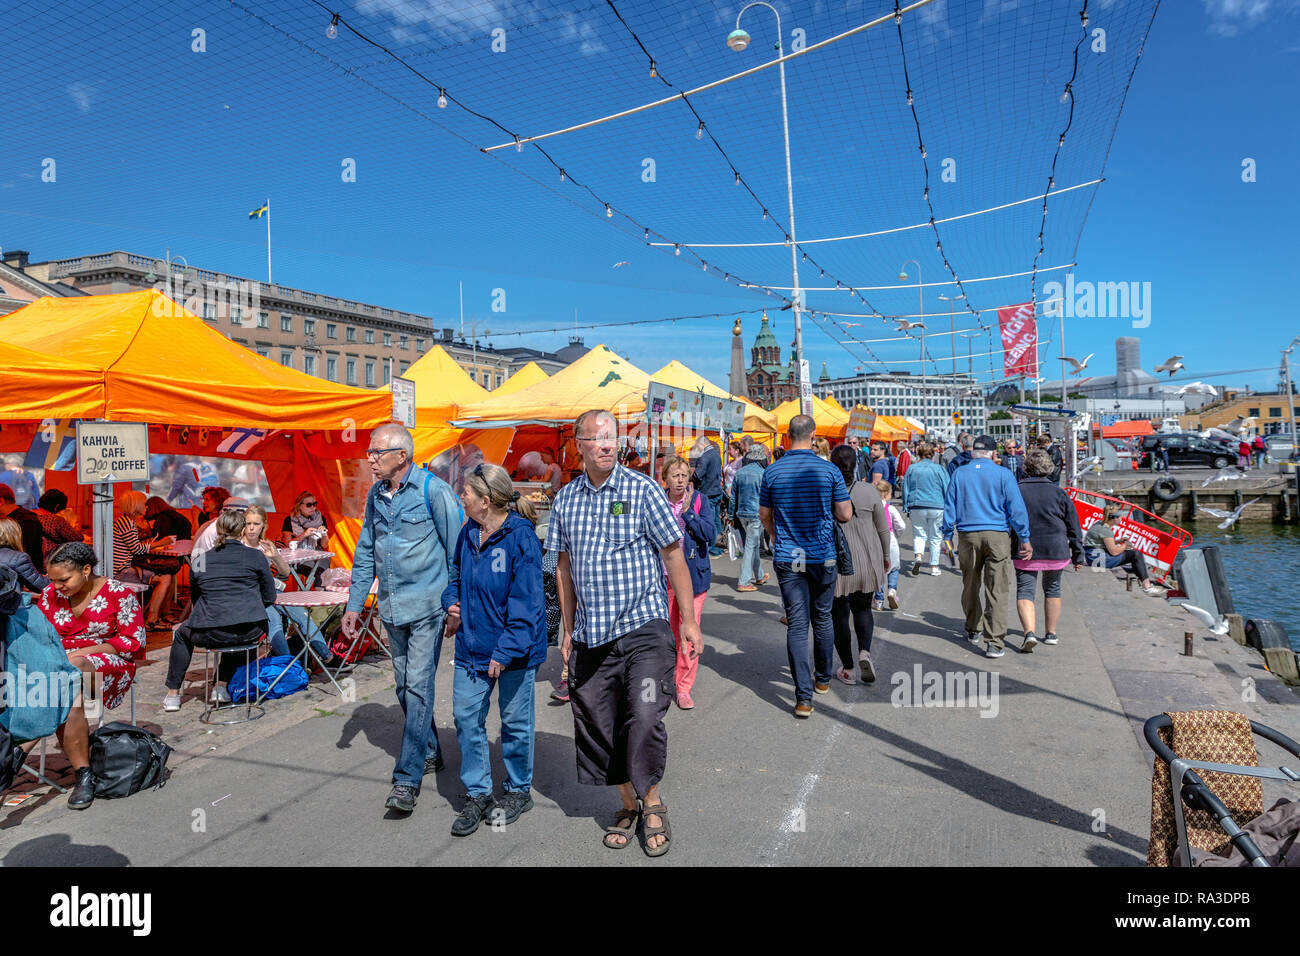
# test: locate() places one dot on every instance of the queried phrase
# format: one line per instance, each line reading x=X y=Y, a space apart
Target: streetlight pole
x=739 y=40
x=1290 y=399
x=952 y=334
x=920 y=316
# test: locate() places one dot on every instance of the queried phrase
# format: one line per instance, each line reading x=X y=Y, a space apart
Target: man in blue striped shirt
x=615 y=536
x=800 y=497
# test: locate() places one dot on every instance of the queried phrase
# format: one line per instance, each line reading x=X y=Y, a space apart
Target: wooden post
x=1236 y=628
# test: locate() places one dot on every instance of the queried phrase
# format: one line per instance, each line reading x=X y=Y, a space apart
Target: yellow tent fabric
x=894 y=428
x=156 y=362
x=530 y=374
x=830 y=422
x=441 y=386
x=835 y=405
x=757 y=419
x=600 y=379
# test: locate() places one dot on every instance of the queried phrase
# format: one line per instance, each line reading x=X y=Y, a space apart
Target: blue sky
x=158 y=145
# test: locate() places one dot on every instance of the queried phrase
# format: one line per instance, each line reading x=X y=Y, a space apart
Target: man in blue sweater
x=983 y=502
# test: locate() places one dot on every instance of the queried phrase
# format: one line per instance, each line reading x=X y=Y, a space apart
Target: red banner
x=1020 y=340
x=1158 y=540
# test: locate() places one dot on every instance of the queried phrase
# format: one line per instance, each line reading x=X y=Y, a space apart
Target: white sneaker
x=1153 y=590
x=220 y=695
x=893 y=599
x=974 y=637
x=991 y=651
x=934 y=570
x=172 y=703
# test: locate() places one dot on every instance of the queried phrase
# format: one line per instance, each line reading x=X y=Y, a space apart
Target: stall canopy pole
x=102 y=526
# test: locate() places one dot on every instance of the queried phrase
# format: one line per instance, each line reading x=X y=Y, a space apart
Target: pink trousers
x=686 y=665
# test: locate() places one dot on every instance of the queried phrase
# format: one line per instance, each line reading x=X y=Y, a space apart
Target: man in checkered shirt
x=615 y=535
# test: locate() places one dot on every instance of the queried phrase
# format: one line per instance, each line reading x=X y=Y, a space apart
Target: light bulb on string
x=737 y=179
x=647 y=234
x=519 y=147
x=442 y=99
x=609 y=213
x=332 y=31
x=653 y=73
x=561 y=175
x=699 y=132
x=677 y=249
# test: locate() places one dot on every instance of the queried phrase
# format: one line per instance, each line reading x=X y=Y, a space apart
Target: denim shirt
x=406 y=549
x=744 y=489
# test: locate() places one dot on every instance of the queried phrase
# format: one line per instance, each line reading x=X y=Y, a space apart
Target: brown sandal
x=647 y=831
x=623 y=816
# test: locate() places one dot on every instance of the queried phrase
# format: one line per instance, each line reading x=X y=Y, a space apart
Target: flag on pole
x=260 y=211
x=53 y=446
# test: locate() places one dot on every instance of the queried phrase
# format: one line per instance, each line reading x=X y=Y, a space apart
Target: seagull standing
x=1171 y=364
x=1075 y=365
x=1219 y=627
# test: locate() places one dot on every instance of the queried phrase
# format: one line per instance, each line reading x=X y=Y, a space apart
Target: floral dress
x=112 y=617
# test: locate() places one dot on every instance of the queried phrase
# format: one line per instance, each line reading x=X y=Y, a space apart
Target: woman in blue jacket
x=497 y=609
x=924 y=486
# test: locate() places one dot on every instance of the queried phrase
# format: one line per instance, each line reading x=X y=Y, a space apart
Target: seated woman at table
x=101 y=627
x=231 y=593
x=305 y=524
x=254 y=537
x=13 y=556
x=55 y=527
x=127 y=544
x=214 y=499
x=165 y=521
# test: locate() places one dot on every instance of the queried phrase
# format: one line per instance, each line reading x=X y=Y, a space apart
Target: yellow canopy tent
x=835 y=405
x=758 y=421
x=530 y=374
x=894 y=428
x=831 y=422
x=140 y=357
x=440 y=387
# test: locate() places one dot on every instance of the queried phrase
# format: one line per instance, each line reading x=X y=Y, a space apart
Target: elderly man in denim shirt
x=412 y=520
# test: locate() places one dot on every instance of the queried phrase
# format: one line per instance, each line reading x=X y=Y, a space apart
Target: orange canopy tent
x=1126 y=429
x=530 y=374
x=140 y=357
x=893 y=428
x=830 y=422
x=759 y=423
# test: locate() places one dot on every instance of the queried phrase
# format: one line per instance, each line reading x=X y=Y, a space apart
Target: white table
x=309 y=599
x=299 y=556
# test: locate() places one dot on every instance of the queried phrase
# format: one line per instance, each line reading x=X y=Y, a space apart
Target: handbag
x=734 y=545
x=843 y=557
x=125 y=759
x=157 y=563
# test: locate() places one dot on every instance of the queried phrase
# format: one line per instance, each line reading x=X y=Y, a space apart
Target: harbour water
x=1260 y=562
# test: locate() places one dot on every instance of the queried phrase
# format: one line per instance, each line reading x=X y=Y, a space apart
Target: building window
x=486 y=379
x=386 y=373
x=352 y=371
x=209 y=312
x=388 y=340
x=264 y=320
x=401 y=342
x=286 y=358
x=236 y=315
x=331 y=368
x=309 y=364
x=370 y=336
x=331 y=330
x=308 y=326
x=370 y=373
x=352 y=334
x=263 y=351
x=286 y=323
x=1275 y=412
x=403 y=367
x=1252 y=413
x=498 y=384
x=419 y=345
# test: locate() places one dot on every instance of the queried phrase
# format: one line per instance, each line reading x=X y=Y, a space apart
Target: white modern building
x=900 y=393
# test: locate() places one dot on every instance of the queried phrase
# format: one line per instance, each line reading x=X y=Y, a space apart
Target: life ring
x=1167 y=489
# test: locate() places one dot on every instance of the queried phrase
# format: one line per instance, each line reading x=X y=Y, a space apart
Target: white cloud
x=586 y=32
x=1229 y=17
x=81 y=94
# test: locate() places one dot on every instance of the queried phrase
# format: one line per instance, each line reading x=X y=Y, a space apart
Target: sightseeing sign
x=689 y=409
x=112 y=451
x=1156 y=539
x=1019 y=340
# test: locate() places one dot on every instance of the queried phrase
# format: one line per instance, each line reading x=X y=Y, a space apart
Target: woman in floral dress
x=101 y=626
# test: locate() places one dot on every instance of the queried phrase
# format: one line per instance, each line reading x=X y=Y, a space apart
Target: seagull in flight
x=1171 y=365
x=1230 y=518
x=623 y=263
x=1086 y=465
x=1219 y=627
x=904 y=325
x=850 y=325
x=1225 y=474
x=1075 y=365
x=1198 y=388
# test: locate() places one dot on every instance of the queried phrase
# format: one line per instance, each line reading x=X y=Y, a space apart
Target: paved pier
x=1055 y=775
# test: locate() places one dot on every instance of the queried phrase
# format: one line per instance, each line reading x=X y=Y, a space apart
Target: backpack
x=125 y=759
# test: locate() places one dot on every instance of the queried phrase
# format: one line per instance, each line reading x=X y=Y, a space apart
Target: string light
x=653 y=74
x=699 y=132
x=442 y=99
x=519 y=147
x=737 y=179
x=677 y=250
x=332 y=31
x=609 y=213
x=647 y=234
x=561 y=175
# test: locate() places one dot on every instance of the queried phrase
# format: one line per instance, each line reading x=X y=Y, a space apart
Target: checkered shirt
x=613 y=535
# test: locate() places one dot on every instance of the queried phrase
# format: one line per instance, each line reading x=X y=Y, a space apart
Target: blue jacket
x=744 y=489
x=406 y=543
x=924 y=485
x=708 y=472
x=961 y=458
x=499 y=590
x=700 y=532
x=984 y=497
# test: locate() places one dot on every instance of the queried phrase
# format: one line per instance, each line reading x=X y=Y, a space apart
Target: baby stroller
x=1218 y=819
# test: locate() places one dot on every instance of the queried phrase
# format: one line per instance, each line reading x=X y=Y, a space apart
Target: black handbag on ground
x=125 y=759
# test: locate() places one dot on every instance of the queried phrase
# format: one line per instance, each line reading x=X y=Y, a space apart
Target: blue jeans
x=471 y=701
x=751 y=562
x=808 y=593
x=416 y=649
x=891 y=582
x=925 y=534
x=301 y=617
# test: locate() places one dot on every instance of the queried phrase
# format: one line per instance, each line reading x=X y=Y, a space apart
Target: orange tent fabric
x=830 y=423
x=35 y=387
x=160 y=363
x=529 y=374
x=894 y=428
x=1128 y=429
x=441 y=386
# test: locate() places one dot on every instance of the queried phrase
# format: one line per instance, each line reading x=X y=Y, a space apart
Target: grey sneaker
x=401 y=799
x=867 y=667
x=1049 y=638
x=992 y=650
x=434 y=765
x=512 y=804
x=476 y=809
x=1027 y=646
x=975 y=637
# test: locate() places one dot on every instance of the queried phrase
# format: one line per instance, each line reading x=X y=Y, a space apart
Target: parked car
x=1187 y=448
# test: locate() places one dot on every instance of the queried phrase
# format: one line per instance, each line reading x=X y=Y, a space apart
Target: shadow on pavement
x=57 y=849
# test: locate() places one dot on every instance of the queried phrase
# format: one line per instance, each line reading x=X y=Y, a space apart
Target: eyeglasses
x=478 y=470
x=379 y=452
x=609 y=439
